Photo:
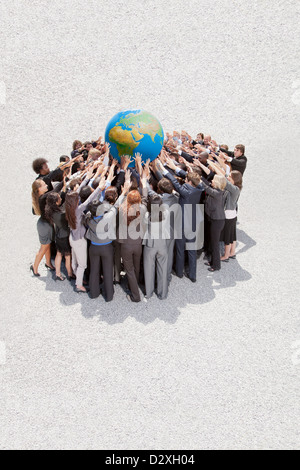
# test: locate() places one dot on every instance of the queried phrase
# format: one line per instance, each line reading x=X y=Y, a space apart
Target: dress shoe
x=35 y=274
x=80 y=291
x=50 y=268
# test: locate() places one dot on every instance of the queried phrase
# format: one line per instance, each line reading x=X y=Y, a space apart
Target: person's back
x=192 y=218
x=156 y=248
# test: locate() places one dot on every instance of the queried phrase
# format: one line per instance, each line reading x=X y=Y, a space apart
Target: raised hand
x=171 y=164
x=200 y=148
x=112 y=171
x=127 y=184
x=128 y=176
x=138 y=163
x=161 y=158
x=102 y=183
x=125 y=162
x=146 y=171
x=189 y=151
x=160 y=166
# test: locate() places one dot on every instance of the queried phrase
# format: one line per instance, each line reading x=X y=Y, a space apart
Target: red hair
x=133 y=199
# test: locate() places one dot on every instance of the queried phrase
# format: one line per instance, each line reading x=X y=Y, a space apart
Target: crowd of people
x=150 y=220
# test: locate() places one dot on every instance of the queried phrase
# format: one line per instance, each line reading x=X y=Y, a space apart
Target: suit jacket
x=189 y=200
x=239 y=163
x=55 y=175
x=174 y=221
x=215 y=202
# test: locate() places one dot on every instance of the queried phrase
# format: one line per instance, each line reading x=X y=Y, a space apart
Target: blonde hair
x=94 y=154
x=220 y=182
x=35 y=196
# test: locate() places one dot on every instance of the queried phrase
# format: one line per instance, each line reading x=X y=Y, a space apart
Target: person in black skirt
x=56 y=216
x=232 y=194
x=214 y=208
x=45 y=230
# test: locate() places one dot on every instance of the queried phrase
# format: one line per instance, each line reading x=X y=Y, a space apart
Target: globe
x=133 y=131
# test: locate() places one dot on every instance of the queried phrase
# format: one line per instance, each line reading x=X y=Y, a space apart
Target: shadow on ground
x=181 y=293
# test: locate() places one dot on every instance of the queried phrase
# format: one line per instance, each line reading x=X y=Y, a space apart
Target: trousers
x=180 y=258
x=79 y=258
x=215 y=229
x=117 y=261
x=156 y=261
x=102 y=256
x=131 y=255
x=170 y=247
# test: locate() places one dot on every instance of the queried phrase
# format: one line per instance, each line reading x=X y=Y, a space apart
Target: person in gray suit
x=190 y=194
x=156 y=248
x=171 y=199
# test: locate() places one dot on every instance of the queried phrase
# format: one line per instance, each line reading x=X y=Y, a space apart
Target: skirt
x=63 y=245
x=228 y=235
x=45 y=231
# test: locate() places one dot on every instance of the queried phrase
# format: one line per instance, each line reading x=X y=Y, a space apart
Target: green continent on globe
x=142 y=123
x=126 y=141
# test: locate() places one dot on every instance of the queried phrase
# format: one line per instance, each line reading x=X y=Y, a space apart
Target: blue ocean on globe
x=133 y=131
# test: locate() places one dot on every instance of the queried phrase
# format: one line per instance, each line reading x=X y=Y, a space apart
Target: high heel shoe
x=35 y=274
x=51 y=268
x=60 y=278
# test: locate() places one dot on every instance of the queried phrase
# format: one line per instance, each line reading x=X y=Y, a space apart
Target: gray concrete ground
x=217 y=364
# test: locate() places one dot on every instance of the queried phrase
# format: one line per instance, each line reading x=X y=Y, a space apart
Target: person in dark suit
x=190 y=194
x=101 y=223
x=169 y=198
x=237 y=158
x=214 y=208
x=131 y=232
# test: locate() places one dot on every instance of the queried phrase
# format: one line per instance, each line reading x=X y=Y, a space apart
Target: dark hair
x=155 y=200
x=38 y=164
x=71 y=203
x=165 y=186
x=111 y=195
x=73 y=183
x=85 y=193
x=134 y=184
x=182 y=166
x=197 y=170
x=237 y=178
x=154 y=183
x=181 y=181
x=203 y=156
x=75 y=143
x=93 y=206
x=51 y=206
x=96 y=182
x=75 y=167
x=241 y=147
x=64 y=158
x=224 y=146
